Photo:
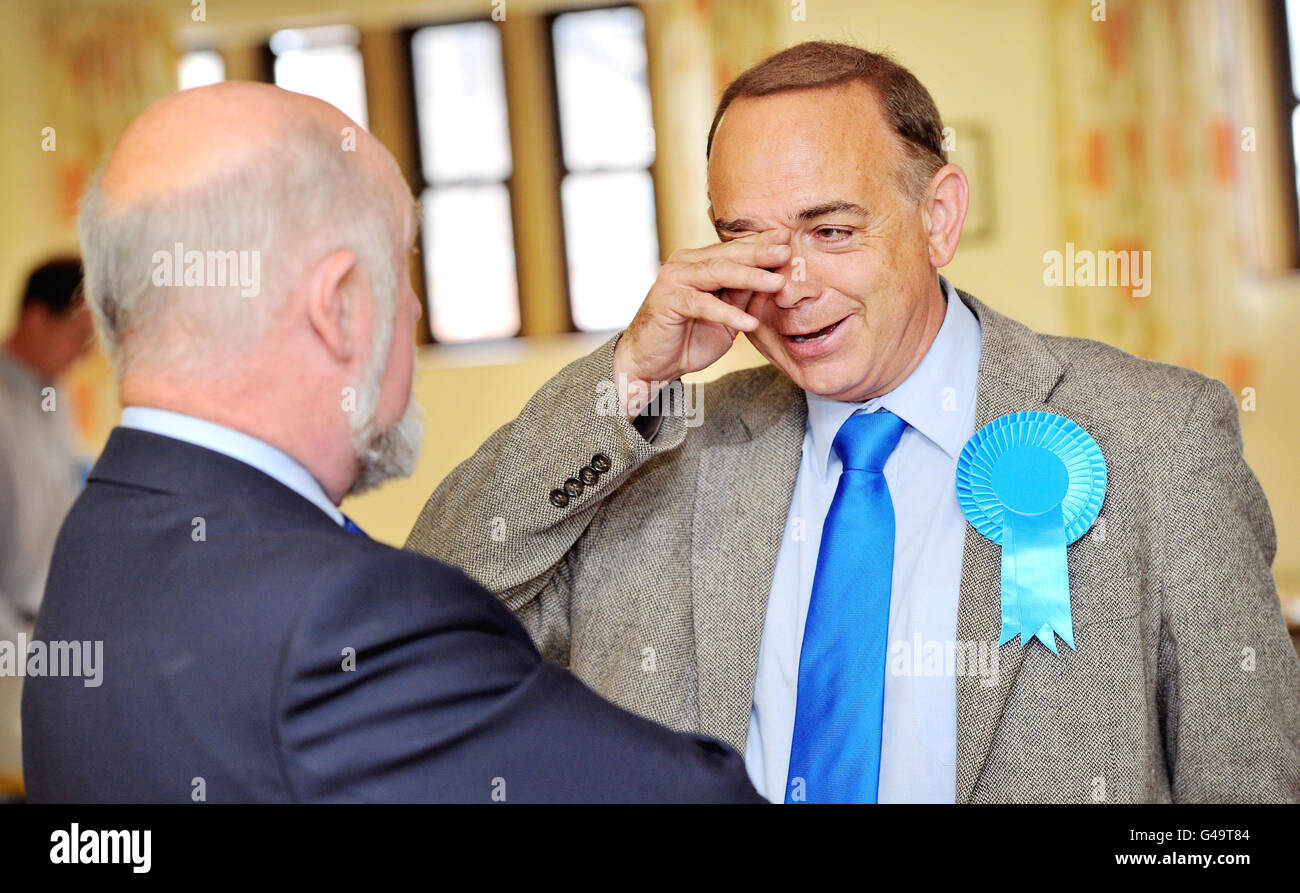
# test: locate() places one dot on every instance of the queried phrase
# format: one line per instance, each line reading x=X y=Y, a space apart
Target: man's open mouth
x=815 y=336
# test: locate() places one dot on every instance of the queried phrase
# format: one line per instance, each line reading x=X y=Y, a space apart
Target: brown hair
x=907 y=105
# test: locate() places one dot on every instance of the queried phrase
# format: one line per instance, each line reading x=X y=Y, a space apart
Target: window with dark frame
x=465 y=165
x=607 y=147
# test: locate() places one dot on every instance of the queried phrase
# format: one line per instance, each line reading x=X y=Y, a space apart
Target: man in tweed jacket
x=643 y=548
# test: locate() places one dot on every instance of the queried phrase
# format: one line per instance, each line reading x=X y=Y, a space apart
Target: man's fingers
x=718 y=273
x=757 y=255
x=736 y=297
x=766 y=249
x=752 y=254
x=709 y=308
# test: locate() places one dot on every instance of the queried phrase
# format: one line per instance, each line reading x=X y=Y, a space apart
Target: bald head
x=186 y=139
x=241 y=173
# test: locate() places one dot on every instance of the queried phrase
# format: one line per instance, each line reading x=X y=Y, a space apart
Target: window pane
x=200 y=68
x=460 y=99
x=609 y=231
x=600 y=71
x=325 y=63
x=469 y=263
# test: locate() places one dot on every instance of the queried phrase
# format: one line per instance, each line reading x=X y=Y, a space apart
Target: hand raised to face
x=695 y=309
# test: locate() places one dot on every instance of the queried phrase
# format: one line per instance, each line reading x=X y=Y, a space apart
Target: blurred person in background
x=41 y=467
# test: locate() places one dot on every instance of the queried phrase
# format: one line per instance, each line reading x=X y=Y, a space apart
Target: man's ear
x=328 y=307
x=945 y=213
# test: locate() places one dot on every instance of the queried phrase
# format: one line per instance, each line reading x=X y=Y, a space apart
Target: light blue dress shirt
x=237 y=445
x=918 y=757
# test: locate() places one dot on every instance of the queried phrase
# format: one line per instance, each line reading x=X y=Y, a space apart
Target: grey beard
x=391 y=453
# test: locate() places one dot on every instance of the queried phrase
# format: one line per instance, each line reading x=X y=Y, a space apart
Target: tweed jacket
x=651 y=584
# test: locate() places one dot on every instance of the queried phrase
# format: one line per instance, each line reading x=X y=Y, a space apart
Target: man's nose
x=798 y=286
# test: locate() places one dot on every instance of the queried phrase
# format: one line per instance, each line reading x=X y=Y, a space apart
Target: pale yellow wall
x=28 y=230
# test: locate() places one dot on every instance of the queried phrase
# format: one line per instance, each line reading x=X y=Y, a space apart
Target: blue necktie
x=840 y=705
x=351 y=526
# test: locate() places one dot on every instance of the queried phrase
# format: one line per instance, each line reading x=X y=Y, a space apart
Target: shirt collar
x=935 y=399
x=237 y=445
x=20 y=373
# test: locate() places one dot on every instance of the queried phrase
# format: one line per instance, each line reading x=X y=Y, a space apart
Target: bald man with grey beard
x=258 y=646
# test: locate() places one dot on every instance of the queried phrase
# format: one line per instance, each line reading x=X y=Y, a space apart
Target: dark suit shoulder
x=358 y=576
x=402 y=680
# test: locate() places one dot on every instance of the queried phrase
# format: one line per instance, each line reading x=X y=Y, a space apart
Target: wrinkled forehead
x=773 y=154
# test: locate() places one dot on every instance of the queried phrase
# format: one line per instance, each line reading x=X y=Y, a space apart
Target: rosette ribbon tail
x=1010 y=602
x=1033 y=550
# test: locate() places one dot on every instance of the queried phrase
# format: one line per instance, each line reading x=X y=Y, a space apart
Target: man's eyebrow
x=736 y=225
x=839 y=206
x=834 y=207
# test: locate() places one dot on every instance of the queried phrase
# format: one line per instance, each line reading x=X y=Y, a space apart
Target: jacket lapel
x=742 y=498
x=1016 y=372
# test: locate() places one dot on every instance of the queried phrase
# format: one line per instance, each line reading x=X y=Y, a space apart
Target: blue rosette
x=1032 y=482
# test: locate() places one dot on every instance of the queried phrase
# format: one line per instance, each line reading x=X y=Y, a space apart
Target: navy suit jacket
x=224 y=663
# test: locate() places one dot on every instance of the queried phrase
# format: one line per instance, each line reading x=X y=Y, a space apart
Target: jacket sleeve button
x=573 y=487
x=600 y=462
x=559 y=498
x=588 y=475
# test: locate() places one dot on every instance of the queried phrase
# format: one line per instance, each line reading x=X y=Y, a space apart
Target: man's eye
x=832 y=233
